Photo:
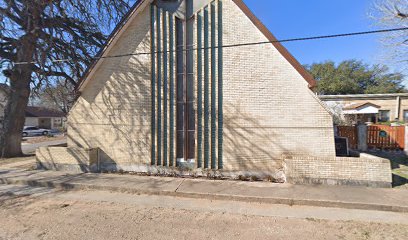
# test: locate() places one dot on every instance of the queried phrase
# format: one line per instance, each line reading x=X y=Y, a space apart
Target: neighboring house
x=4 y=91
x=44 y=118
x=369 y=108
x=230 y=111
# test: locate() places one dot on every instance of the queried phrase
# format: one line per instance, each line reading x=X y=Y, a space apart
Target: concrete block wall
x=363 y=171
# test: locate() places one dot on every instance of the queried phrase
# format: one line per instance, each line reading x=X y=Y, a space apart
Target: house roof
x=360 y=105
x=282 y=50
x=42 y=112
x=363 y=96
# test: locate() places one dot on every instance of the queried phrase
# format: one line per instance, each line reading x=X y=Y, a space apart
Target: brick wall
x=366 y=170
x=62 y=158
x=113 y=111
x=269 y=110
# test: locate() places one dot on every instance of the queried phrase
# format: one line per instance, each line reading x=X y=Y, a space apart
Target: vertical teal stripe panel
x=159 y=88
x=153 y=85
x=206 y=91
x=199 y=91
x=213 y=89
x=171 y=87
x=220 y=87
x=165 y=82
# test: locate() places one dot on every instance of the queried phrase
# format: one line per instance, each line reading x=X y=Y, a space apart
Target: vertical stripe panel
x=165 y=87
x=213 y=88
x=199 y=91
x=180 y=110
x=153 y=85
x=159 y=88
x=220 y=87
x=206 y=91
x=171 y=67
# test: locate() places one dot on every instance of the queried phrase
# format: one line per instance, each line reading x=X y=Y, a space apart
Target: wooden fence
x=386 y=137
x=378 y=136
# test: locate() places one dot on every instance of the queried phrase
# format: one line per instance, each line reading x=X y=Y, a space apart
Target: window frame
x=380 y=115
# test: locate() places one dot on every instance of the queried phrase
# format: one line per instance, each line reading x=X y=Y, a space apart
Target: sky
x=305 y=18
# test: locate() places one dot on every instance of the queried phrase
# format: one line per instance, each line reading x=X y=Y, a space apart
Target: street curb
x=209 y=196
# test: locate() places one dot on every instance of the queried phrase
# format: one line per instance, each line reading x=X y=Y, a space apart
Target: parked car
x=34 y=131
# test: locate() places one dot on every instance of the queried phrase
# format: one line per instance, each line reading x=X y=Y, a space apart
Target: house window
x=405 y=115
x=384 y=116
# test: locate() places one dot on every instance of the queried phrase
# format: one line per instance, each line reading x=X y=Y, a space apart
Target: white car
x=34 y=131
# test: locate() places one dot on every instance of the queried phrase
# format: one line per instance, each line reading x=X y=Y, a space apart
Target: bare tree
x=394 y=14
x=34 y=34
x=59 y=96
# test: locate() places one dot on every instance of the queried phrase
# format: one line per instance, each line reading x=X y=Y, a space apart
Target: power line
x=243 y=44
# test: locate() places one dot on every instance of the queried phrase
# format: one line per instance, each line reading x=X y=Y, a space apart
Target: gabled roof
x=282 y=50
x=42 y=112
x=356 y=106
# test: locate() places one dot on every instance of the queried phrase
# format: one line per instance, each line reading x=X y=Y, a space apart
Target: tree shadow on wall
x=115 y=115
x=249 y=143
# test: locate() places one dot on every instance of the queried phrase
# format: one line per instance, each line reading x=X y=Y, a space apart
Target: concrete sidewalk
x=30 y=148
x=323 y=196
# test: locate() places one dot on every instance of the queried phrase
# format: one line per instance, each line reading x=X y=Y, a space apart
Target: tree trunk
x=20 y=79
x=14 y=114
x=14 y=117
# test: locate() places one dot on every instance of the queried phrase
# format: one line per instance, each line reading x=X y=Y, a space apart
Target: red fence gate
x=378 y=136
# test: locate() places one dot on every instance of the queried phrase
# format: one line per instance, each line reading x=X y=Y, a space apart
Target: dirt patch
x=17 y=160
x=32 y=218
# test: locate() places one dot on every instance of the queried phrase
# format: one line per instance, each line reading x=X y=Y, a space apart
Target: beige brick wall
x=366 y=170
x=71 y=159
x=113 y=111
x=269 y=110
